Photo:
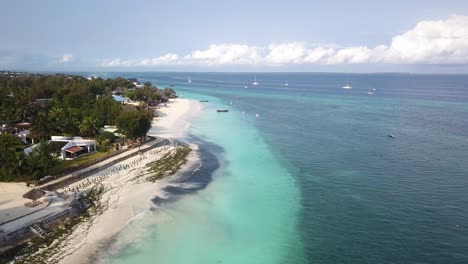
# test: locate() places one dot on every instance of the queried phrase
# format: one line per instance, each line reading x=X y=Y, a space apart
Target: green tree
x=42 y=126
x=40 y=161
x=88 y=127
x=106 y=137
x=133 y=124
x=11 y=158
x=106 y=111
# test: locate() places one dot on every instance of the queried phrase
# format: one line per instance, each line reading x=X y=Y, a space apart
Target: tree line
x=67 y=105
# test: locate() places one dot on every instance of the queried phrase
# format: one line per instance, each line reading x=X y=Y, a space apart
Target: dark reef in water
x=191 y=181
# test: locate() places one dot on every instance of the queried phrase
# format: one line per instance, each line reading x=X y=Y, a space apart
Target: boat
x=257 y=115
x=286 y=84
x=255 y=81
x=203 y=101
x=391 y=136
x=189 y=80
x=222 y=110
x=347 y=87
x=370 y=93
x=245 y=87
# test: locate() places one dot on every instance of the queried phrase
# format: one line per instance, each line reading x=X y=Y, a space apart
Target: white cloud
x=117 y=62
x=66 y=58
x=443 y=41
x=318 y=55
x=429 y=42
x=225 y=54
x=286 y=53
x=163 y=60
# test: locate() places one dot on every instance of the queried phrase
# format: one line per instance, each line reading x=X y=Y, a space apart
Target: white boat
x=189 y=80
x=286 y=84
x=245 y=87
x=257 y=115
x=370 y=93
x=347 y=87
x=255 y=81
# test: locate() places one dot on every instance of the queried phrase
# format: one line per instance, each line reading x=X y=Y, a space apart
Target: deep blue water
x=365 y=198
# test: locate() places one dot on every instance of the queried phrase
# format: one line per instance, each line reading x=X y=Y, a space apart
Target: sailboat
x=255 y=81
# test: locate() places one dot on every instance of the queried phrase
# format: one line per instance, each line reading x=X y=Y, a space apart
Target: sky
x=418 y=36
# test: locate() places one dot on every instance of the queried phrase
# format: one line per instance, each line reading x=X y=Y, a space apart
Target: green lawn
x=67 y=166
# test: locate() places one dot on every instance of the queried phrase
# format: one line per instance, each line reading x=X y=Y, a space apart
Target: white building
x=70 y=147
x=74 y=147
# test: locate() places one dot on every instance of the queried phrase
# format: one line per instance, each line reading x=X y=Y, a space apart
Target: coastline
x=129 y=198
x=126 y=194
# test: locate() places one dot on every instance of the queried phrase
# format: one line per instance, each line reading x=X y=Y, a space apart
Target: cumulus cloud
x=162 y=60
x=286 y=53
x=167 y=59
x=443 y=41
x=429 y=42
x=66 y=58
x=225 y=54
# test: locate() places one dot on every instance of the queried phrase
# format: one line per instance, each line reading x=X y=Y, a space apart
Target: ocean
x=306 y=172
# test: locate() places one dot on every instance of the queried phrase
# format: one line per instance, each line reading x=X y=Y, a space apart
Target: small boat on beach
x=222 y=110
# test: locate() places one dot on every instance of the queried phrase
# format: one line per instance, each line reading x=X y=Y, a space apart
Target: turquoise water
x=315 y=179
x=248 y=214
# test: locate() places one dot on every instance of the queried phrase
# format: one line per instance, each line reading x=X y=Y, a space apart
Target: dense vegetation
x=66 y=105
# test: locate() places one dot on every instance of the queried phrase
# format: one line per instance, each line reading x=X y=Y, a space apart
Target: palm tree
x=41 y=126
x=88 y=126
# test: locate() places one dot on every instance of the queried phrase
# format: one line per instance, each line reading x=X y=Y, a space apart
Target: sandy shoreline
x=126 y=194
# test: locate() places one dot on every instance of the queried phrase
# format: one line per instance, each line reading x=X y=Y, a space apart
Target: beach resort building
x=20 y=130
x=125 y=100
x=70 y=147
x=74 y=147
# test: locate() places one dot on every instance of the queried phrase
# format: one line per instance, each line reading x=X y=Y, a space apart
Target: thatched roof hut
x=34 y=194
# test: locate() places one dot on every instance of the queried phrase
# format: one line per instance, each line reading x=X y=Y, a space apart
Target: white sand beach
x=126 y=193
x=172 y=120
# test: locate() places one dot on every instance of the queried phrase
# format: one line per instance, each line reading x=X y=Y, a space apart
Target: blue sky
x=359 y=36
